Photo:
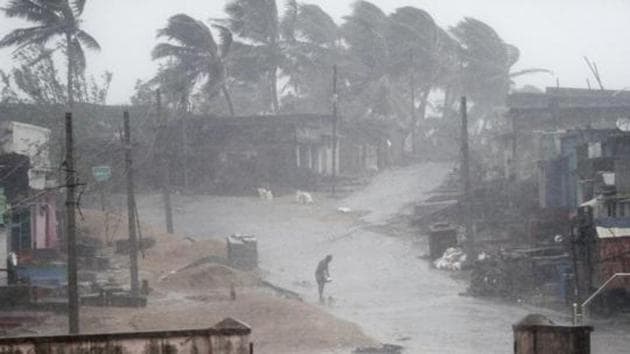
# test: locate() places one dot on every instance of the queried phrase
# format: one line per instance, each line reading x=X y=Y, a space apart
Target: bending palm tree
x=196 y=54
x=258 y=21
x=53 y=19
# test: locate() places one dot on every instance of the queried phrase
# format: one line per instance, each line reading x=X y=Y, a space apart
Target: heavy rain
x=317 y=176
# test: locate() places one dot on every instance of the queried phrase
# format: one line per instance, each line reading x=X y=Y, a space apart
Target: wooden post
x=334 y=130
x=184 y=145
x=465 y=176
x=131 y=209
x=71 y=240
x=166 y=192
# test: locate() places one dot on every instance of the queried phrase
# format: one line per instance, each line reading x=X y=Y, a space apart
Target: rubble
x=454 y=258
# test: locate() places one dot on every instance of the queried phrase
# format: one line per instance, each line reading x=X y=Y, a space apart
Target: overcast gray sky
x=554 y=34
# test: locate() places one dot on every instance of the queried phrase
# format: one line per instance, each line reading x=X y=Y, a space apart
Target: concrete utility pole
x=71 y=238
x=131 y=210
x=465 y=176
x=334 y=130
x=166 y=192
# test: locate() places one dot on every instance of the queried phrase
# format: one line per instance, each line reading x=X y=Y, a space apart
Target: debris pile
x=454 y=258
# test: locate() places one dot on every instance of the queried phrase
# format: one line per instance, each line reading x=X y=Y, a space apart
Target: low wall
x=226 y=337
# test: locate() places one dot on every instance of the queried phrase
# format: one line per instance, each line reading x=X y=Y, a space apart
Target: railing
x=578 y=309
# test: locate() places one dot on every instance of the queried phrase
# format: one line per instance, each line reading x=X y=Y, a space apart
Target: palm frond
x=22 y=37
x=289 y=20
x=316 y=25
x=189 y=32
x=38 y=11
x=225 y=42
x=87 y=40
x=181 y=53
x=256 y=20
x=78 y=6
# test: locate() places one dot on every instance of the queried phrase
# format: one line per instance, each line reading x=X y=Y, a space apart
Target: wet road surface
x=379 y=280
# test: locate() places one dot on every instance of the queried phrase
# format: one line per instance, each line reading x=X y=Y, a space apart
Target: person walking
x=322 y=276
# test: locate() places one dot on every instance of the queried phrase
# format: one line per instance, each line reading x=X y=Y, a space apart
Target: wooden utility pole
x=166 y=192
x=71 y=237
x=184 y=111
x=334 y=130
x=131 y=209
x=465 y=176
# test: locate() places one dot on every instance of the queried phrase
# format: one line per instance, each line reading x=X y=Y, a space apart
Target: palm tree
x=373 y=87
x=195 y=54
x=310 y=49
x=486 y=63
x=258 y=22
x=413 y=41
x=53 y=19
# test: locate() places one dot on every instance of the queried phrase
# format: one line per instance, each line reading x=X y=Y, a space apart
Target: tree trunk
x=70 y=88
x=420 y=115
x=273 y=82
x=228 y=99
x=447 y=102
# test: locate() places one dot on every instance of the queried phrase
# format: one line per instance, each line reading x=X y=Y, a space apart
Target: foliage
x=54 y=20
x=256 y=23
x=195 y=57
x=37 y=81
x=310 y=46
x=487 y=61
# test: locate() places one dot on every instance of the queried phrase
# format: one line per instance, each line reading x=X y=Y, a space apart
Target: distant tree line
x=262 y=59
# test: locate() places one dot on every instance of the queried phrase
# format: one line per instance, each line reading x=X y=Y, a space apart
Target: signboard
x=101 y=173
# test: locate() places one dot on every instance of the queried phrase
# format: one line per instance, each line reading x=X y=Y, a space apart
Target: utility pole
x=131 y=209
x=166 y=192
x=71 y=237
x=184 y=112
x=465 y=176
x=334 y=130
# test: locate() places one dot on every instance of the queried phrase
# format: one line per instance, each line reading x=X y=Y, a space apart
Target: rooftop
x=562 y=97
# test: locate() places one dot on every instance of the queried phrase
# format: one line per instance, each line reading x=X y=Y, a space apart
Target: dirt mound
x=207 y=276
x=170 y=253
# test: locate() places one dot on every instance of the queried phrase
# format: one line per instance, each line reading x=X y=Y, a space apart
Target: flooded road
x=379 y=279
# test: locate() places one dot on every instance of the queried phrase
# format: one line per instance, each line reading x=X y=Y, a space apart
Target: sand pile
x=207 y=276
x=170 y=253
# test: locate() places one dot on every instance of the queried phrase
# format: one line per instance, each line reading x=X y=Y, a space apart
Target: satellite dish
x=623 y=124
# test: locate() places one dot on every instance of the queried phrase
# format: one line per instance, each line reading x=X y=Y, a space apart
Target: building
x=25 y=176
x=531 y=115
x=239 y=154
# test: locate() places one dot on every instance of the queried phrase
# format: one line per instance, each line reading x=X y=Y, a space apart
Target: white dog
x=303 y=197
x=265 y=194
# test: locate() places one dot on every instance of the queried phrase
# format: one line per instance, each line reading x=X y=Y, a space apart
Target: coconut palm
x=373 y=88
x=413 y=42
x=487 y=62
x=195 y=55
x=257 y=23
x=54 y=20
x=310 y=49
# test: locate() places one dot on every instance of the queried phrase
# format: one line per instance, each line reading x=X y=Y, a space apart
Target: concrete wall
x=227 y=337
x=32 y=141
x=535 y=334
